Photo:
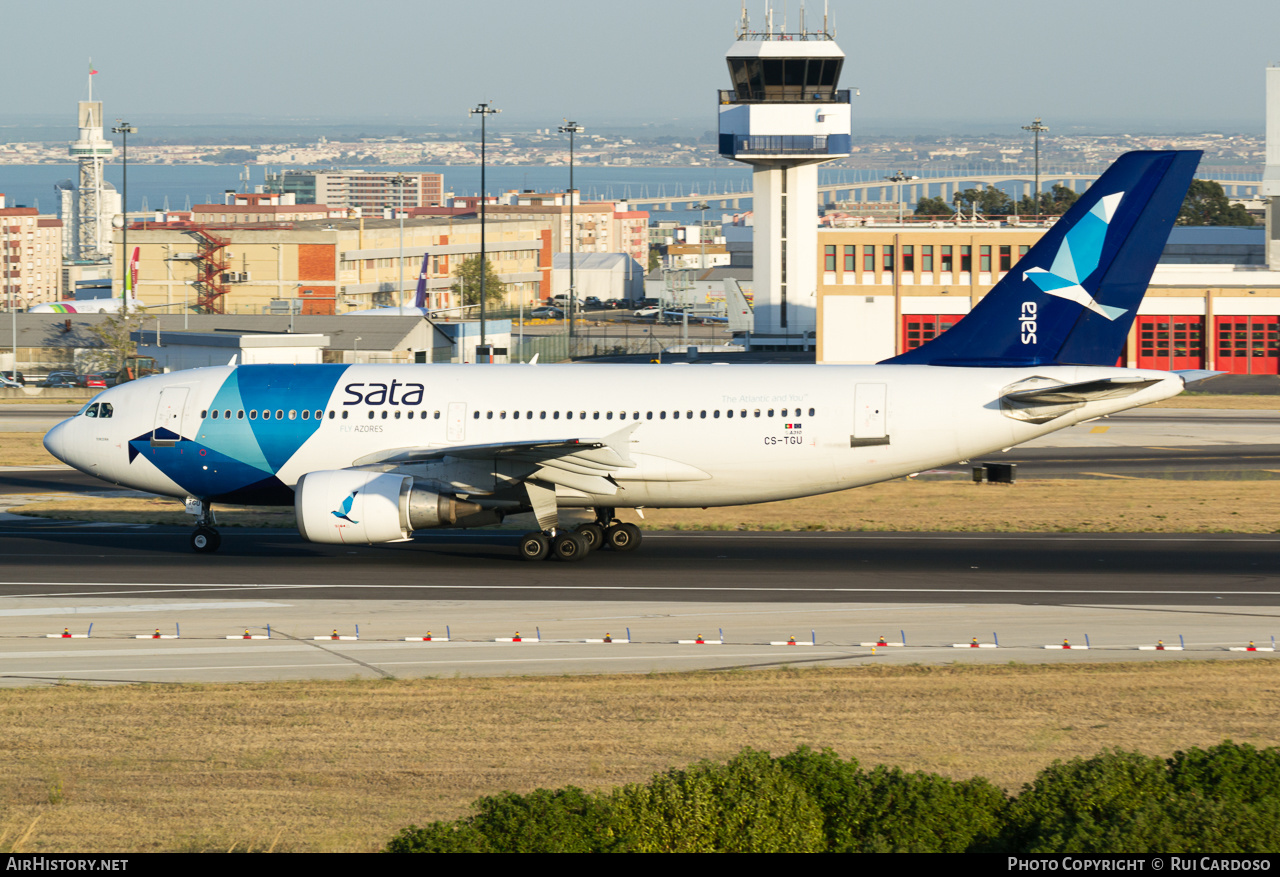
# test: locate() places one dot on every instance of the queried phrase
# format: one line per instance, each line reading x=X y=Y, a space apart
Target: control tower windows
x=784 y=79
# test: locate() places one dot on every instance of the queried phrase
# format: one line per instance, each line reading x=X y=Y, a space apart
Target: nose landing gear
x=205 y=538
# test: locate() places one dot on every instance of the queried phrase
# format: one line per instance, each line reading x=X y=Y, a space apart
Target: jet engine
x=346 y=506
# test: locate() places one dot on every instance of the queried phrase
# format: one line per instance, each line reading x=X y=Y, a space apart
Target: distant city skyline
x=923 y=66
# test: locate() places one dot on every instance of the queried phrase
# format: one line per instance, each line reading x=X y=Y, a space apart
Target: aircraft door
x=167 y=428
x=457 y=421
x=870 y=415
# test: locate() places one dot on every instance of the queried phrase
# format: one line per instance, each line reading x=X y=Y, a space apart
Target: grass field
x=342 y=766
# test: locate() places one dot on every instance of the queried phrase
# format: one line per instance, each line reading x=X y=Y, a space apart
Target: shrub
x=747 y=805
x=1112 y=803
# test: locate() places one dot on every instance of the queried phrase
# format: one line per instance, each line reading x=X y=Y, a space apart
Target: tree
x=1207 y=204
x=467 y=283
x=933 y=207
x=115 y=333
x=1055 y=202
x=988 y=201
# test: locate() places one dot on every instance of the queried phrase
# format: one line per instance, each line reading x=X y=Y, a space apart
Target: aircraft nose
x=55 y=441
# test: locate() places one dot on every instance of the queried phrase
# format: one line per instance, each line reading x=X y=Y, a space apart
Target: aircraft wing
x=585 y=464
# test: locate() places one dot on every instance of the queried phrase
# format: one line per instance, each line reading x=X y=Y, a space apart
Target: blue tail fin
x=1073 y=297
x=420 y=299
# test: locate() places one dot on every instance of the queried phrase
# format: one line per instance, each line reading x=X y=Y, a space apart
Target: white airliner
x=371 y=453
x=106 y=305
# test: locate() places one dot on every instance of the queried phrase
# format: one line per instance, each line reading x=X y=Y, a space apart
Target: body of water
x=185 y=185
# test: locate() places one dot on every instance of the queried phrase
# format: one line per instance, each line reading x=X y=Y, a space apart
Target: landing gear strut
x=205 y=538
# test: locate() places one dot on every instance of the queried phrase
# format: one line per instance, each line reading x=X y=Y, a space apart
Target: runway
x=1115 y=592
x=78 y=560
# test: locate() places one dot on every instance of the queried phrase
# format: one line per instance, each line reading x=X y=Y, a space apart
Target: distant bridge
x=944 y=186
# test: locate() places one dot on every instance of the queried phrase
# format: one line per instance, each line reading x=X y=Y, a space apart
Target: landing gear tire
x=569 y=546
x=206 y=540
x=622 y=537
x=593 y=533
x=534 y=546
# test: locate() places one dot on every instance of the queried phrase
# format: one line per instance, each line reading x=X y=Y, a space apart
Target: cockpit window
x=91 y=410
x=105 y=409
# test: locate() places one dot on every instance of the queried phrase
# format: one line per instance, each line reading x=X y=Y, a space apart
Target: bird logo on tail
x=1078 y=257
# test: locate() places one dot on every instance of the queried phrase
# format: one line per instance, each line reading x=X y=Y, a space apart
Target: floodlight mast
x=483 y=110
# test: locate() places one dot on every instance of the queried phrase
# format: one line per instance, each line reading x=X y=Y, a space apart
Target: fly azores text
x=383 y=394
x=1152 y=863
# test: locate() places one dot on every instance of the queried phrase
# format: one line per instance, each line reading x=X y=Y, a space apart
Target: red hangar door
x=919 y=328
x=1171 y=342
x=1248 y=345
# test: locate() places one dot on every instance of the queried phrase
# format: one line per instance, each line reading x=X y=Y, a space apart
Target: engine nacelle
x=345 y=506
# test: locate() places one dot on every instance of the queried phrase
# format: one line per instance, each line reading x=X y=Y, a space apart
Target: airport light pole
x=125 y=129
x=900 y=178
x=571 y=128
x=8 y=293
x=702 y=230
x=400 y=180
x=1036 y=127
x=483 y=110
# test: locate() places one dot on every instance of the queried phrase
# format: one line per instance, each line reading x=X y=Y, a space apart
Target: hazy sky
x=921 y=64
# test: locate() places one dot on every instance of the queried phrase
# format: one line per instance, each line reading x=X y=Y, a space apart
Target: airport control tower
x=95 y=200
x=784 y=116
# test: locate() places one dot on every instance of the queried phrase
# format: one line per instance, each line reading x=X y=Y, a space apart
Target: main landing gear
x=205 y=538
x=572 y=545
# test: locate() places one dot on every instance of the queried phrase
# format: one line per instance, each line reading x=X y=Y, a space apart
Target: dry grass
x=1105 y=506
x=24 y=449
x=1067 y=506
x=342 y=766
x=1233 y=403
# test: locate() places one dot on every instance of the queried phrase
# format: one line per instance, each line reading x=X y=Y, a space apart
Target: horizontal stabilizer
x=1191 y=375
x=1085 y=391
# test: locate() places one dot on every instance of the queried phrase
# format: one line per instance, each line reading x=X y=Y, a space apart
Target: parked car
x=546 y=313
x=71 y=377
x=6 y=384
x=95 y=381
x=58 y=382
x=592 y=301
x=15 y=376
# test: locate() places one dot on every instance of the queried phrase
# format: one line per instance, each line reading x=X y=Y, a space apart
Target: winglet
x=234 y=357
